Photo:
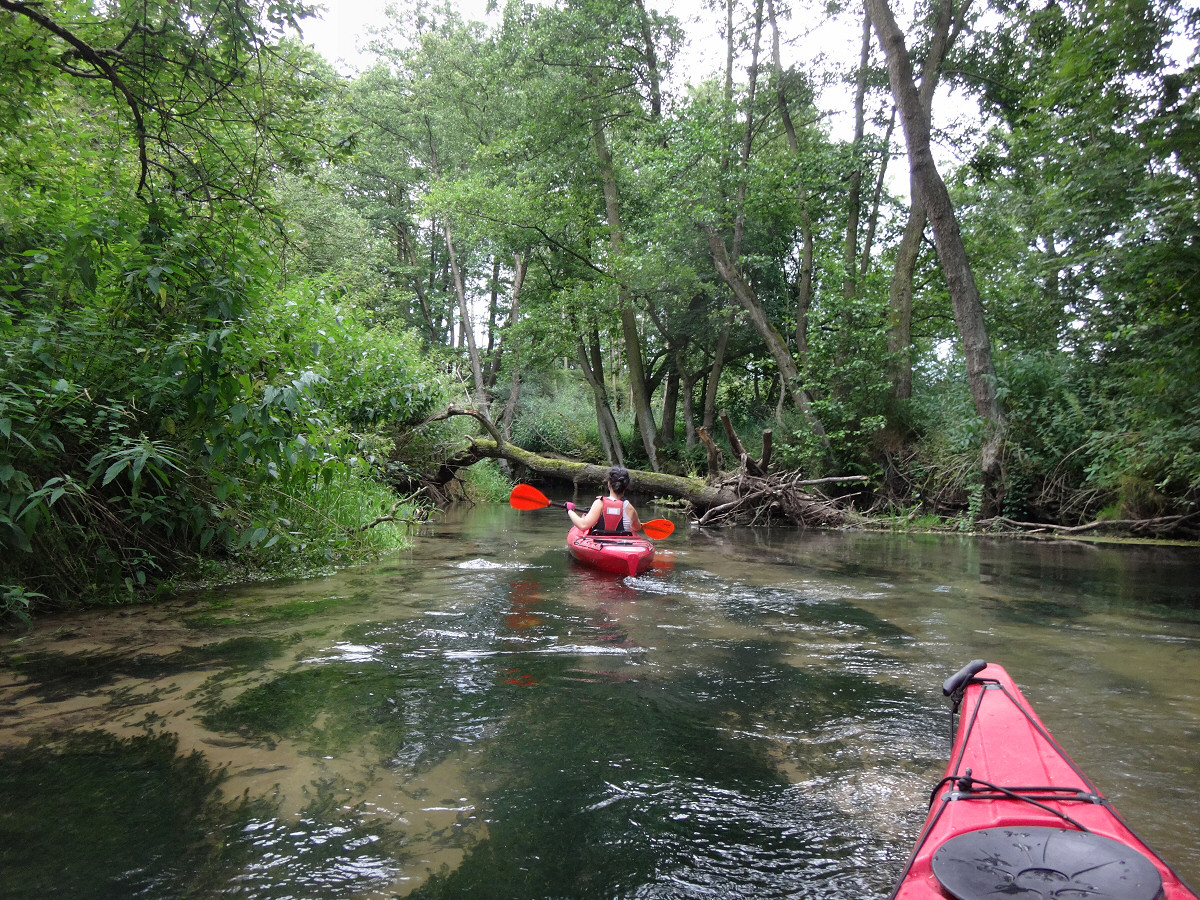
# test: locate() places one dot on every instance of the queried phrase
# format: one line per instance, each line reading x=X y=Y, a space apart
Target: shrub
x=128 y=451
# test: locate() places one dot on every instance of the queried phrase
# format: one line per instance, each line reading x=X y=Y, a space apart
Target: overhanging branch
x=95 y=58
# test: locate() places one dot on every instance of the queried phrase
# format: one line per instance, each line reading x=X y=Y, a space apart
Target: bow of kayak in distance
x=620 y=554
x=1015 y=815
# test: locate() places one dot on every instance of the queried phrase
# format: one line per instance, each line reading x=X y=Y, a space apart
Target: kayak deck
x=622 y=555
x=1015 y=815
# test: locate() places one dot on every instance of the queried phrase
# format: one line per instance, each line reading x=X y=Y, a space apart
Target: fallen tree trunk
x=694 y=490
x=739 y=496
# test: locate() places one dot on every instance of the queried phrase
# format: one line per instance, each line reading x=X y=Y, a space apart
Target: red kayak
x=1015 y=816
x=625 y=555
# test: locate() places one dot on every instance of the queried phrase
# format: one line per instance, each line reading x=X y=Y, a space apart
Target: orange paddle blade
x=526 y=496
x=658 y=528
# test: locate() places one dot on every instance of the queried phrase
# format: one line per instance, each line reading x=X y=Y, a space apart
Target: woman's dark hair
x=618 y=479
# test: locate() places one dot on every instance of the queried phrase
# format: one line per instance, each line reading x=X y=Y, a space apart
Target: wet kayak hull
x=611 y=553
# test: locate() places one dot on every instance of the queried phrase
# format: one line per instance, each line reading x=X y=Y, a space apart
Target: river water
x=758 y=716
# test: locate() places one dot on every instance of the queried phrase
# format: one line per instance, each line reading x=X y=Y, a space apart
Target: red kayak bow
x=1014 y=815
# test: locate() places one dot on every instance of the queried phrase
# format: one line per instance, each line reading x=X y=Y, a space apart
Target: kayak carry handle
x=962 y=676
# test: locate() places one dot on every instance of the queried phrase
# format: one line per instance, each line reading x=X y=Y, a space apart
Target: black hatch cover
x=1043 y=862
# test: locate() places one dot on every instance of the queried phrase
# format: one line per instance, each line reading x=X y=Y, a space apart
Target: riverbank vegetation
x=234 y=283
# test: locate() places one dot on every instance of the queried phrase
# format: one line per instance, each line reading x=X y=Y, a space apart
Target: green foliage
x=1076 y=209
x=202 y=98
x=359 y=374
x=125 y=453
x=215 y=348
x=558 y=417
x=323 y=234
x=15 y=602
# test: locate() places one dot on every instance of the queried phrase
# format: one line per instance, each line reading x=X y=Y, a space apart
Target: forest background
x=236 y=285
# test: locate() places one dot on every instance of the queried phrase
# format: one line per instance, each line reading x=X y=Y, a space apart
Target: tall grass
x=558 y=416
x=484 y=482
x=350 y=518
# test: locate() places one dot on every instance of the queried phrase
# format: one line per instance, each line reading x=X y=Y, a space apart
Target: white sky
x=343 y=31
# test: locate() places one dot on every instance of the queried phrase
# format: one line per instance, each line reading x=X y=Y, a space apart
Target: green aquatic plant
x=485 y=483
x=326 y=707
x=92 y=815
x=223 y=612
x=56 y=674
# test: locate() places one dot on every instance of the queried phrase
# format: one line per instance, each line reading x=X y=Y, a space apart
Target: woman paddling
x=612 y=514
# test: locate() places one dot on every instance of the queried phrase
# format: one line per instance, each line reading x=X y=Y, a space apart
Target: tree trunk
x=714 y=378
x=468 y=330
x=739 y=206
x=493 y=351
x=689 y=403
x=745 y=295
x=803 y=285
x=696 y=491
x=909 y=251
x=864 y=266
x=643 y=413
x=777 y=497
x=854 y=193
x=591 y=362
x=900 y=299
x=725 y=259
x=729 y=49
x=439 y=268
x=670 y=405
x=650 y=56
x=520 y=265
x=633 y=345
x=408 y=258
x=964 y=293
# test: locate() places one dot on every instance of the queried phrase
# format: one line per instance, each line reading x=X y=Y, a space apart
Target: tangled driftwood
x=779 y=496
x=1159 y=526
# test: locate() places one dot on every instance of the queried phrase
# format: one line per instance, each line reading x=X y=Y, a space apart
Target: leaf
x=87 y=273
x=114 y=470
x=254 y=537
x=20 y=538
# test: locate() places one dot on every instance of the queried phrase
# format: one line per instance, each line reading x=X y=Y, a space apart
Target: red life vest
x=612 y=517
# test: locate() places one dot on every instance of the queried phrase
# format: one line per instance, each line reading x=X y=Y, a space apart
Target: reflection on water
x=760 y=715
